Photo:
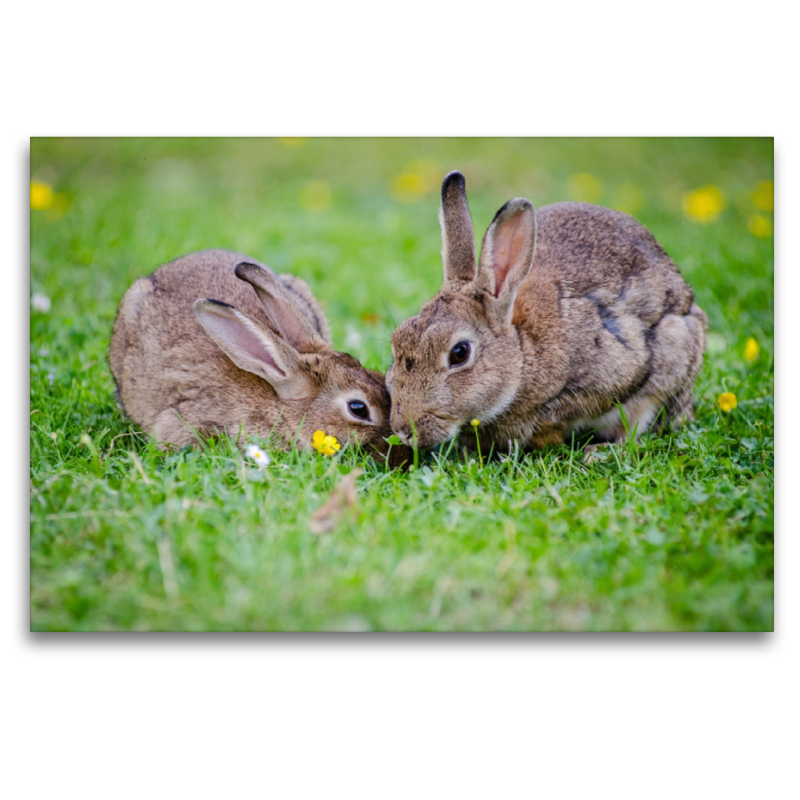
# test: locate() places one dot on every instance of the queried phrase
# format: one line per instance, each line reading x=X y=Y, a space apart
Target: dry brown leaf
x=343 y=496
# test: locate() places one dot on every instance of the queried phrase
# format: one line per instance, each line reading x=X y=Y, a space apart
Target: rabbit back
x=170 y=375
x=609 y=314
x=606 y=255
x=210 y=273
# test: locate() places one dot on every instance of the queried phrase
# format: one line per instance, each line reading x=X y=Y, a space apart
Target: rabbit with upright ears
x=572 y=312
x=217 y=341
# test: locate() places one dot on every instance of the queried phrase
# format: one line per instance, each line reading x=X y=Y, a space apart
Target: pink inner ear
x=283 y=313
x=293 y=331
x=509 y=241
x=240 y=337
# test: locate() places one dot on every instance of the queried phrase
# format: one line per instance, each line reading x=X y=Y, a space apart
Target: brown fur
x=571 y=310
x=175 y=381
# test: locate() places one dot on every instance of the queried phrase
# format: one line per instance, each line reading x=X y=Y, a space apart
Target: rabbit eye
x=358 y=409
x=459 y=354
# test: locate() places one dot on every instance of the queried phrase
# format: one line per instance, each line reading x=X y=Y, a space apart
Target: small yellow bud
x=751 y=350
x=705 y=204
x=41 y=196
x=760 y=226
x=727 y=402
x=763 y=196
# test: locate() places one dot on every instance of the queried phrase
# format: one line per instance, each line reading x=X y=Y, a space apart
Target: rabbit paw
x=596 y=452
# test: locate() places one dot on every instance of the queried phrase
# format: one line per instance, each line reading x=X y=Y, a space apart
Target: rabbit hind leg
x=676 y=345
x=633 y=417
x=173 y=429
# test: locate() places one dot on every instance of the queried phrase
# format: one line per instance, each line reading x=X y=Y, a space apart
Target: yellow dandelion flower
x=42 y=196
x=585 y=188
x=408 y=187
x=727 y=402
x=327 y=445
x=705 y=204
x=419 y=178
x=315 y=196
x=751 y=350
x=760 y=226
x=475 y=423
x=764 y=196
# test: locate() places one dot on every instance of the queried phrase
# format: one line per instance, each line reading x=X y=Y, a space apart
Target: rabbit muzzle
x=423 y=429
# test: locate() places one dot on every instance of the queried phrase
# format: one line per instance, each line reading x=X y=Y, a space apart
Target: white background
x=640 y=716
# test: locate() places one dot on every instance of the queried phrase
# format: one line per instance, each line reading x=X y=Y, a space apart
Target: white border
x=558 y=716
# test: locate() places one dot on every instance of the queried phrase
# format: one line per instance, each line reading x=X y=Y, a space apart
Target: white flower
x=40 y=302
x=353 y=338
x=258 y=455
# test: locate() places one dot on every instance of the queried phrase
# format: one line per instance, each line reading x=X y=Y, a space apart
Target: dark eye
x=358 y=409
x=459 y=354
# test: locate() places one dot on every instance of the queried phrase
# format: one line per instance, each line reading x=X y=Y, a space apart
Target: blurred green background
x=688 y=545
x=325 y=209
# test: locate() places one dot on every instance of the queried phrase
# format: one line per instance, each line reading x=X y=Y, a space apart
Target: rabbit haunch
x=216 y=341
x=571 y=311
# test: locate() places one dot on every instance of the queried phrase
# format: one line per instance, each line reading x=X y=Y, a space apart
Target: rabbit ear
x=281 y=308
x=458 y=238
x=507 y=253
x=252 y=347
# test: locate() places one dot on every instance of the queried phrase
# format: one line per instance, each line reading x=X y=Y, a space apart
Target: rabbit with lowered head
x=571 y=312
x=214 y=340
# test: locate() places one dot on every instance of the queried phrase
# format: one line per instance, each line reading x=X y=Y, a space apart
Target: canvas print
x=379 y=384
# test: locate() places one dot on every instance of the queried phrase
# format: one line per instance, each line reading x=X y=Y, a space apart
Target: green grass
x=675 y=533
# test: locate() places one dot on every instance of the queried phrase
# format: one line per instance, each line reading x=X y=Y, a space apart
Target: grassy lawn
x=674 y=533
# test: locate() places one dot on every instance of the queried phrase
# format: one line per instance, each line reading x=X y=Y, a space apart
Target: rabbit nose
x=401 y=427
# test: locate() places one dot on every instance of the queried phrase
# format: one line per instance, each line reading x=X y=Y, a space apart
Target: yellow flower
x=751 y=350
x=41 y=196
x=327 y=445
x=727 y=401
x=315 y=196
x=764 y=196
x=704 y=204
x=475 y=423
x=759 y=226
x=419 y=178
x=408 y=187
x=585 y=188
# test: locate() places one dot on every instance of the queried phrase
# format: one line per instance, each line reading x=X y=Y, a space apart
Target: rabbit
x=217 y=341
x=571 y=312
